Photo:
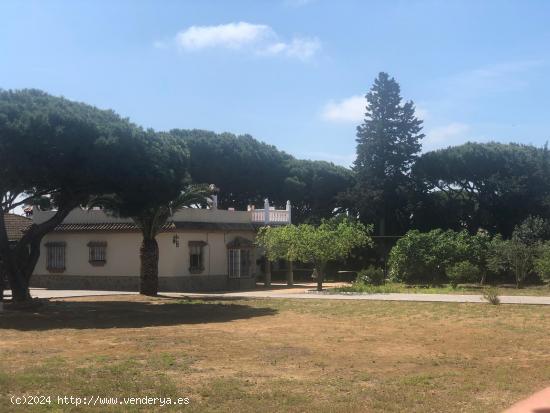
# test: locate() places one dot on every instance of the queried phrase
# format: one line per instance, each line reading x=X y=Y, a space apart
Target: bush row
x=439 y=256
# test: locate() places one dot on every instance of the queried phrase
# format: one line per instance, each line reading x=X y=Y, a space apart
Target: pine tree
x=388 y=142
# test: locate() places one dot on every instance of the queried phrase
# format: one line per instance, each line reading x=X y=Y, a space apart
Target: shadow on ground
x=102 y=314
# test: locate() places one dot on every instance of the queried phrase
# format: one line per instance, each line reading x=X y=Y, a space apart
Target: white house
x=200 y=250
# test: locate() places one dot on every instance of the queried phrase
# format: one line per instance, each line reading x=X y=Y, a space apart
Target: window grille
x=97 y=252
x=196 y=256
x=55 y=256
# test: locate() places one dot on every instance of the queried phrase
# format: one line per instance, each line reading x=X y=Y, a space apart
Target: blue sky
x=290 y=72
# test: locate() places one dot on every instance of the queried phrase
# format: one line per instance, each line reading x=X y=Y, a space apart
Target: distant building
x=199 y=250
x=16 y=226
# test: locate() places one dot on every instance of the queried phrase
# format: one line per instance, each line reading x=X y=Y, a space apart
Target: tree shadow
x=103 y=314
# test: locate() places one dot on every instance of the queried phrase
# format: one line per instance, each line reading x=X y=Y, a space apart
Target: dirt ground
x=276 y=355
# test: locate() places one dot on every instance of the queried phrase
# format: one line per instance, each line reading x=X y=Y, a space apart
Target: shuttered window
x=55 y=256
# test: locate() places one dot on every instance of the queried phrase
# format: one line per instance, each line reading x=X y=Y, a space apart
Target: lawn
x=277 y=355
x=537 y=290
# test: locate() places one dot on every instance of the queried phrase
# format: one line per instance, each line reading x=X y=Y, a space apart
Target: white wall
x=123 y=253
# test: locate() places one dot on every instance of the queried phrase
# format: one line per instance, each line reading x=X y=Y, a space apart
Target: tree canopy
x=481 y=185
x=247 y=171
x=331 y=240
x=59 y=153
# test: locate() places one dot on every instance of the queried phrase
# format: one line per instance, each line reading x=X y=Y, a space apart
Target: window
x=240 y=251
x=55 y=256
x=196 y=256
x=239 y=262
x=97 y=253
x=234 y=260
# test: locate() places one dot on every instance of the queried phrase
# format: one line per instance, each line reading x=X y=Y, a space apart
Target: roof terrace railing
x=270 y=215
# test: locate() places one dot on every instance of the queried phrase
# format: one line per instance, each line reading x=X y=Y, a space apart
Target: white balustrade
x=271 y=215
x=257 y=215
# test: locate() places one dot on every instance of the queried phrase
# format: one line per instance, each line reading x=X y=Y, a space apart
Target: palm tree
x=151 y=221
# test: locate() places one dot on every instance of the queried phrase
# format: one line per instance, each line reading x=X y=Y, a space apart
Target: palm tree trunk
x=149 y=272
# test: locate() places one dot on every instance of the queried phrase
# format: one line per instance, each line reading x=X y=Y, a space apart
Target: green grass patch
x=359 y=287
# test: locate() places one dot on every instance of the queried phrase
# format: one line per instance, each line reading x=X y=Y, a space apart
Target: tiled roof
x=168 y=227
x=215 y=226
x=105 y=227
x=16 y=225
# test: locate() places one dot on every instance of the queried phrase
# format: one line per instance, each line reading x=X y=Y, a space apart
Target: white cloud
x=351 y=109
x=259 y=39
x=447 y=134
x=301 y=48
x=231 y=35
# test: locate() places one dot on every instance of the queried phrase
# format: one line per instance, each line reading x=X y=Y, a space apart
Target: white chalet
x=200 y=250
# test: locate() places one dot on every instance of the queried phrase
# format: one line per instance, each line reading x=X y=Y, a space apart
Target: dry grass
x=278 y=355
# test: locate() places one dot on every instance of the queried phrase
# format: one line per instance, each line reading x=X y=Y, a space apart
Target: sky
x=292 y=73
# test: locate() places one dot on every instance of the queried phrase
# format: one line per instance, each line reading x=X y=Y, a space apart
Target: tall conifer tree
x=388 y=142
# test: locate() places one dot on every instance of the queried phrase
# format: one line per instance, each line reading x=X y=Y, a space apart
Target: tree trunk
x=19 y=287
x=149 y=271
x=19 y=261
x=267 y=279
x=483 y=277
x=290 y=274
x=320 y=277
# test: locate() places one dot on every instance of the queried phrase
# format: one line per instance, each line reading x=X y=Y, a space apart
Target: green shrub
x=513 y=256
x=424 y=257
x=371 y=275
x=463 y=271
x=360 y=287
x=542 y=262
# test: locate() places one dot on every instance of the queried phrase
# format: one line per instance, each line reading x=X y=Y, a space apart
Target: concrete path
x=445 y=298
x=302 y=291
x=45 y=293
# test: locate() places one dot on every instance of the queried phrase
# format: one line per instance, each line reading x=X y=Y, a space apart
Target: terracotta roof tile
x=105 y=227
x=170 y=226
x=16 y=225
x=215 y=226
